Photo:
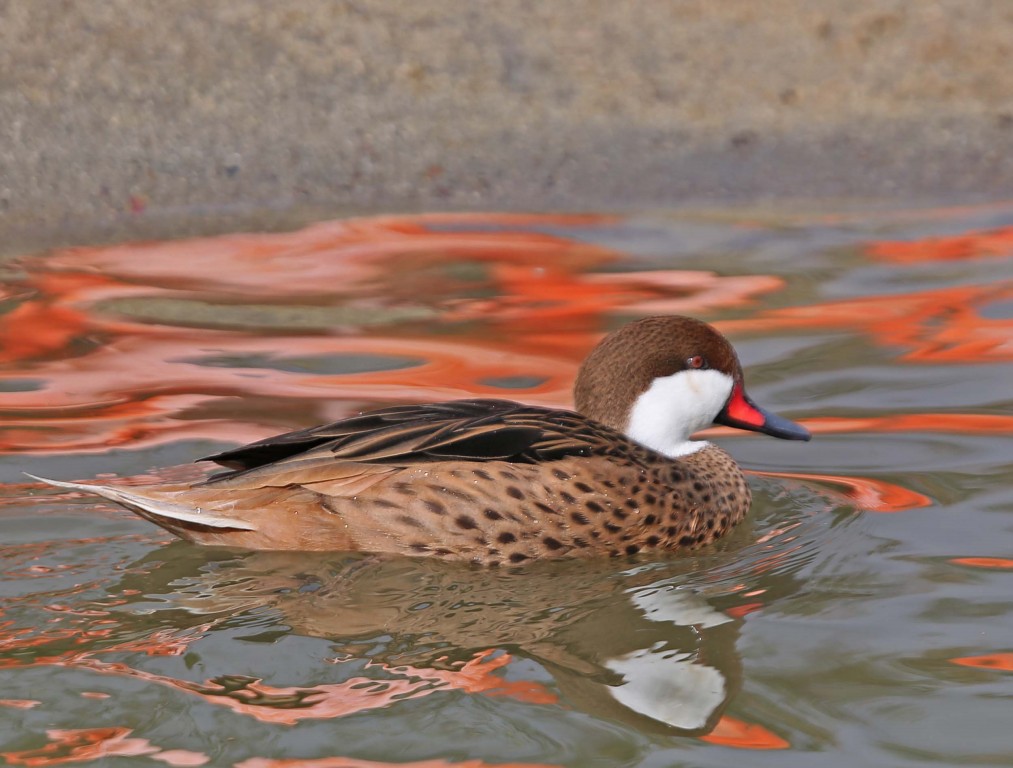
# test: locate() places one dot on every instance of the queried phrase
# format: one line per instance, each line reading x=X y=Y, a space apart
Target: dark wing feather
x=463 y=430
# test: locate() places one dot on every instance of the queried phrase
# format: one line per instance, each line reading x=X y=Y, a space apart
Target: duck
x=496 y=482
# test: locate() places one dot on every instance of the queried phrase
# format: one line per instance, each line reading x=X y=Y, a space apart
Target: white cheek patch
x=676 y=406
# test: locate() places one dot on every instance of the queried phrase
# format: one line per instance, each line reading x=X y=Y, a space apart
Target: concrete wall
x=123 y=118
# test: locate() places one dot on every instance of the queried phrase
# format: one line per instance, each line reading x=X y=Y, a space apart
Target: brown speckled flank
x=488 y=481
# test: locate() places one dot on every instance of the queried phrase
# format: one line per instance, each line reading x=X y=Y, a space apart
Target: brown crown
x=625 y=362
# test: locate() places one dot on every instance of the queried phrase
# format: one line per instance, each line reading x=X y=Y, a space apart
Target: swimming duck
x=494 y=481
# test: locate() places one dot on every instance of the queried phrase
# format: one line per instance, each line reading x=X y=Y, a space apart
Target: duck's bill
x=742 y=413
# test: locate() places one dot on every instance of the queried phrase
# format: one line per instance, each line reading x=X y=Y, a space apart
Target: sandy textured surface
x=122 y=118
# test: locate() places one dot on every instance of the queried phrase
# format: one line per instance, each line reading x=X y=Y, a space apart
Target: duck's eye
x=697 y=361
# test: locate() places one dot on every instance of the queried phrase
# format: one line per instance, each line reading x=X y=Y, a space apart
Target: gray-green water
x=862 y=616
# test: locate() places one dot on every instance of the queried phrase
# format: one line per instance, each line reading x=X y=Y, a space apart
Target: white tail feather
x=156 y=508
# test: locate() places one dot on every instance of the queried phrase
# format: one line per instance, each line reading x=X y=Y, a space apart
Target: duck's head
x=660 y=379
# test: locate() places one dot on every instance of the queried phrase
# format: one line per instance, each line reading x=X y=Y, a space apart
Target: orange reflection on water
x=863 y=492
x=933 y=326
x=988 y=243
x=957 y=423
x=289 y=705
x=163 y=642
x=739 y=734
x=19 y=703
x=23 y=638
x=347 y=257
x=1000 y=661
x=535 y=297
x=741 y=611
x=86 y=744
x=514 y=303
x=271 y=704
x=1001 y=563
x=38 y=328
x=18 y=640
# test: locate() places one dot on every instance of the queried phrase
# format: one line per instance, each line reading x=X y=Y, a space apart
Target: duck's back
x=488 y=481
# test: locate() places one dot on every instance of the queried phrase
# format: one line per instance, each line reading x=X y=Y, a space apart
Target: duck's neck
x=678 y=450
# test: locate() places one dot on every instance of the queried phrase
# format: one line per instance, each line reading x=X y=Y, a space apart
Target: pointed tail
x=174 y=517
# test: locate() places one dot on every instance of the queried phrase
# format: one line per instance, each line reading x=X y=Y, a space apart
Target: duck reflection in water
x=622 y=641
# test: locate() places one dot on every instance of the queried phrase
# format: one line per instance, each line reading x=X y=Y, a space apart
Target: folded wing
x=354 y=450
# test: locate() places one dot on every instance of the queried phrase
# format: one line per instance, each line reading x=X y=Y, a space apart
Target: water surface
x=862 y=616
